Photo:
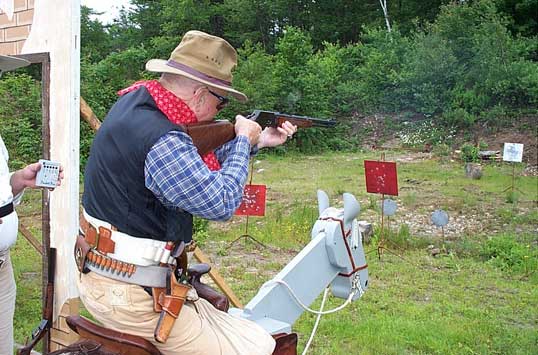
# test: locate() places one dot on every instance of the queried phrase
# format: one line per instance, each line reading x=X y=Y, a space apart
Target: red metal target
x=381 y=177
x=253 y=203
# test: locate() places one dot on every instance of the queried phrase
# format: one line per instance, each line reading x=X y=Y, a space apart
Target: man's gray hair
x=180 y=81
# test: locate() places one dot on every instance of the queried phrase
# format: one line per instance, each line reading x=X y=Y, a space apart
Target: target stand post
x=253 y=204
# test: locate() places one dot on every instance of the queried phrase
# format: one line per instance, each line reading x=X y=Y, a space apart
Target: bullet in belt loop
x=98 y=260
x=114 y=265
x=132 y=269
x=89 y=258
x=108 y=264
x=124 y=269
x=119 y=267
x=102 y=263
x=94 y=259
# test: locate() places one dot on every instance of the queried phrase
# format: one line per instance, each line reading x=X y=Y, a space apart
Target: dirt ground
x=377 y=135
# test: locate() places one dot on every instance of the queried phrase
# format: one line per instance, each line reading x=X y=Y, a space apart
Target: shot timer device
x=49 y=174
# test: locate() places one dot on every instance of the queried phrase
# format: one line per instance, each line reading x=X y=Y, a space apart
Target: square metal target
x=381 y=177
x=253 y=203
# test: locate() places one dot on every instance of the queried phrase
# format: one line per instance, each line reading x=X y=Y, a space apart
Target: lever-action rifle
x=46 y=322
x=208 y=136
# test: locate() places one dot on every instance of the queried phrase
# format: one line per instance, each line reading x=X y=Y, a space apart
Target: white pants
x=200 y=329
x=7 y=303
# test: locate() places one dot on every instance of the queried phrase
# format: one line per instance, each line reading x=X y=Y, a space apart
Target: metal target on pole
x=389 y=207
x=440 y=219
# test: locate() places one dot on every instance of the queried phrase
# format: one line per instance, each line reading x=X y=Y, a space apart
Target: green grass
x=479 y=298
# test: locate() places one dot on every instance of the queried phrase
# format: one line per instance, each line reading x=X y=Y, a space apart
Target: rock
x=435 y=251
x=366 y=230
x=489 y=155
x=473 y=170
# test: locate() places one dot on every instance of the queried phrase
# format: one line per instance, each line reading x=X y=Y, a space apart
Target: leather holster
x=168 y=301
x=81 y=253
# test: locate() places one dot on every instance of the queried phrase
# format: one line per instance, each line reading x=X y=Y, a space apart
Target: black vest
x=114 y=182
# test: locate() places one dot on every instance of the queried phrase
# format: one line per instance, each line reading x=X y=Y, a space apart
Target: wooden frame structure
x=44 y=60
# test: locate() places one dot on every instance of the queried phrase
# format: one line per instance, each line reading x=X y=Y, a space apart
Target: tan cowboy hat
x=204 y=58
x=11 y=63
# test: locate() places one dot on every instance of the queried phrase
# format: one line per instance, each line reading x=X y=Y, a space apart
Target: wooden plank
x=215 y=276
x=87 y=114
x=63 y=338
x=60 y=332
x=30 y=238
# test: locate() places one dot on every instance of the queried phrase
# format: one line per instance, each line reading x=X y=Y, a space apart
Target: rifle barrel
x=272 y=119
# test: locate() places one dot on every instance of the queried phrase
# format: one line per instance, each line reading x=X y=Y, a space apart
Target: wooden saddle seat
x=96 y=340
x=111 y=341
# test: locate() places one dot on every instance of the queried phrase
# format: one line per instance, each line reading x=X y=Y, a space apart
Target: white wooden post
x=56 y=29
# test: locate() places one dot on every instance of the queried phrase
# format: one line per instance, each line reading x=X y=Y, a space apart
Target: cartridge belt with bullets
x=96 y=250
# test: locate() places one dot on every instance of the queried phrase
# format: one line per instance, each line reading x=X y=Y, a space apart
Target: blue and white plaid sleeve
x=223 y=151
x=178 y=177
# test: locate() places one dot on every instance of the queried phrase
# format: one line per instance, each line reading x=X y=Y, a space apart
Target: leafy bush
x=373 y=79
x=441 y=150
x=200 y=227
x=469 y=153
x=509 y=254
x=254 y=76
x=458 y=118
x=20 y=110
x=290 y=68
x=431 y=71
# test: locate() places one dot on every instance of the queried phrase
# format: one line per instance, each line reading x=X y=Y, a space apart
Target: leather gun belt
x=148 y=276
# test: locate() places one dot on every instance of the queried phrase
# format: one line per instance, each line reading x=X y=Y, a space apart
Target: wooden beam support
x=87 y=114
x=215 y=276
x=30 y=238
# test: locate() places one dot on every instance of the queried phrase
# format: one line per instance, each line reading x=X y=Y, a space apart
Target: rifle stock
x=208 y=136
x=46 y=322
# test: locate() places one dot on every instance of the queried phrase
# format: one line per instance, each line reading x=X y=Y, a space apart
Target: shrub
x=509 y=254
x=375 y=84
x=430 y=73
x=255 y=77
x=20 y=109
x=469 y=153
x=458 y=118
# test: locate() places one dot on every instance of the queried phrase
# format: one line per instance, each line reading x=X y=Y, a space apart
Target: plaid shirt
x=178 y=177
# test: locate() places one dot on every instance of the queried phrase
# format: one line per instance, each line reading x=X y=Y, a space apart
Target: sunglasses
x=223 y=100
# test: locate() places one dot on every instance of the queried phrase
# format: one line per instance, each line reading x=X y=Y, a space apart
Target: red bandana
x=174 y=109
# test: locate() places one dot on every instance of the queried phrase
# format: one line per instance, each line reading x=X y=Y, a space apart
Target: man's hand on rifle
x=248 y=128
x=271 y=137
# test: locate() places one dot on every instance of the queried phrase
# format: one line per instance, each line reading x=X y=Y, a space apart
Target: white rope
x=348 y=301
x=325 y=294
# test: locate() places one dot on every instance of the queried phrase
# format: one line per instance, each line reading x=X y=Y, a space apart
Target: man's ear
x=199 y=96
